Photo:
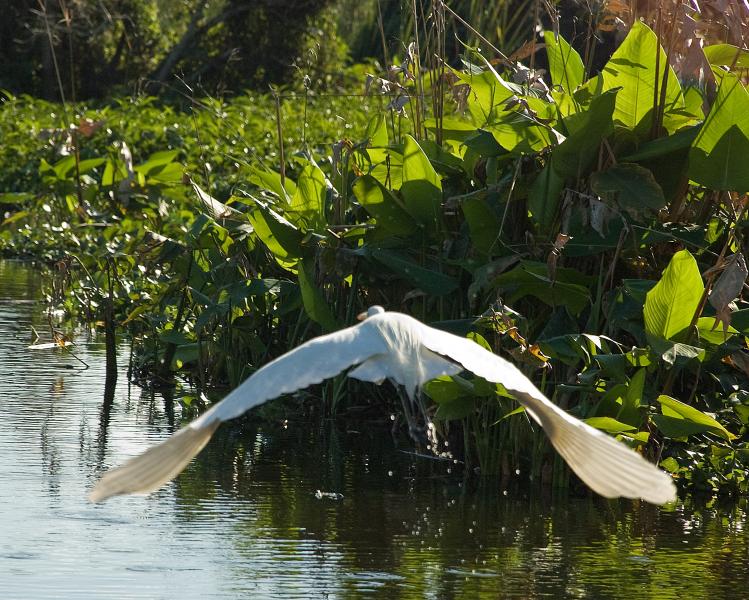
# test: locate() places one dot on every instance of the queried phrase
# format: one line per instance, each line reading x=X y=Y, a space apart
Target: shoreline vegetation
x=587 y=222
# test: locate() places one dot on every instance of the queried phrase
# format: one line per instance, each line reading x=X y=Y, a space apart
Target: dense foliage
x=593 y=228
x=71 y=49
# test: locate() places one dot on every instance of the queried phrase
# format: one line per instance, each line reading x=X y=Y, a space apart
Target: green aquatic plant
x=556 y=219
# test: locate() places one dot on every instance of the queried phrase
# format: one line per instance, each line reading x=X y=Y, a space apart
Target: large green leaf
x=531 y=279
x=712 y=332
x=514 y=129
x=383 y=205
x=307 y=206
x=422 y=187
x=444 y=389
x=633 y=68
x=155 y=161
x=609 y=425
x=483 y=223
x=632 y=399
x=314 y=301
x=377 y=132
x=431 y=282
x=633 y=186
x=586 y=130
x=677 y=427
x=271 y=181
x=453 y=410
x=15 y=197
x=699 y=421
x=519 y=134
x=671 y=304
x=387 y=166
x=487 y=93
x=719 y=154
x=281 y=237
x=675 y=353
x=565 y=65
x=662 y=147
x=545 y=195
x=727 y=55
x=484 y=143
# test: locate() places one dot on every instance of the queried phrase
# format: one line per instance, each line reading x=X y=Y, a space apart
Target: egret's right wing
x=310 y=363
x=609 y=467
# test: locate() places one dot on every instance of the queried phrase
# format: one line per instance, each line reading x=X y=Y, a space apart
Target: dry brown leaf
x=727 y=288
x=556 y=252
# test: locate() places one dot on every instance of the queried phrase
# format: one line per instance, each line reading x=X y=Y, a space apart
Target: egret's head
x=371 y=311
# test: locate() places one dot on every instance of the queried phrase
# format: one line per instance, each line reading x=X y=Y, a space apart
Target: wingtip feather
x=611 y=468
x=152 y=469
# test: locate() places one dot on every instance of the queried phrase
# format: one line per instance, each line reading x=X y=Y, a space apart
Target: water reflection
x=244 y=519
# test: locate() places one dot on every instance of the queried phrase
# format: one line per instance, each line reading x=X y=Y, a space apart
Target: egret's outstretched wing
x=609 y=467
x=310 y=363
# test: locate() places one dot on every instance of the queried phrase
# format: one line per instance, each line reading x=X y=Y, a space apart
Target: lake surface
x=245 y=520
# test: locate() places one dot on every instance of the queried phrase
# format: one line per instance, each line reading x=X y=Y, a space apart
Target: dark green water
x=244 y=521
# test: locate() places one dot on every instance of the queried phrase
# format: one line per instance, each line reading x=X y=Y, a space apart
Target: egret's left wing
x=609 y=467
x=312 y=362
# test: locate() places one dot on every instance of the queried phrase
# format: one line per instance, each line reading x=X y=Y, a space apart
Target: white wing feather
x=310 y=363
x=609 y=467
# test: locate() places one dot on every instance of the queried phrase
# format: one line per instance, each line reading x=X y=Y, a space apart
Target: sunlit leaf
x=718 y=156
x=609 y=425
x=670 y=306
x=675 y=409
x=633 y=68
x=565 y=65
x=383 y=205
x=712 y=331
x=307 y=205
x=632 y=399
x=727 y=55
x=15 y=197
x=422 y=187
x=281 y=237
x=574 y=155
x=270 y=180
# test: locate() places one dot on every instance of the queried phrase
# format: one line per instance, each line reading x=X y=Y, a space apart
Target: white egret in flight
x=391 y=345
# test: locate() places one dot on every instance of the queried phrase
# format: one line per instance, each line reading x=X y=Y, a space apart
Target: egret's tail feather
x=156 y=466
x=608 y=466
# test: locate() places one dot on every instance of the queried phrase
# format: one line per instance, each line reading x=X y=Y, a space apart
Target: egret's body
x=390 y=345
